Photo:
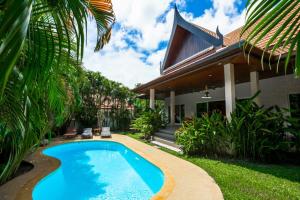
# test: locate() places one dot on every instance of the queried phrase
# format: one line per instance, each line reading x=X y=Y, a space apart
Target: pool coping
x=163 y=193
x=44 y=165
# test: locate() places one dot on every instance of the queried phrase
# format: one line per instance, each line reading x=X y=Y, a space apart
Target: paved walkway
x=183 y=180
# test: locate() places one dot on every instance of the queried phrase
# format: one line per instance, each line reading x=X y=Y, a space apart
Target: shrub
x=253 y=133
x=258 y=133
x=148 y=122
x=189 y=137
x=293 y=129
x=203 y=135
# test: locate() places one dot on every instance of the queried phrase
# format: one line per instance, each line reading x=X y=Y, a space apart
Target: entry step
x=166 y=144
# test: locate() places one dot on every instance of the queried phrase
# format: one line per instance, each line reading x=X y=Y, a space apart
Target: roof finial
x=219 y=34
x=177 y=15
x=175 y=6
x=176 y=9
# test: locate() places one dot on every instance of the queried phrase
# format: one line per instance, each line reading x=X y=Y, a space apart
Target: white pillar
x=172 y=107
x=254 y=85
x=152 y=99
x=229 y=89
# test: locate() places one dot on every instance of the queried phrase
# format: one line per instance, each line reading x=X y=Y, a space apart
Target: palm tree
x=44 y=29
x=29 y=112
x=41 y=47
x=276 y=21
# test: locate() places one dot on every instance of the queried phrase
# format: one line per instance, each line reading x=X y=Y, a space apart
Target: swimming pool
x=98 y=170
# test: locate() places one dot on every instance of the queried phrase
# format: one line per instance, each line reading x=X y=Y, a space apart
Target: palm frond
x=56 y=26
x=273 y=26
x=13 y=31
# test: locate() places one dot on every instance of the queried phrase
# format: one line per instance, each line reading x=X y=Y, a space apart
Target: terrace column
x=152 y=99
x=229 y=89
x=254 y=85
x=172 y=108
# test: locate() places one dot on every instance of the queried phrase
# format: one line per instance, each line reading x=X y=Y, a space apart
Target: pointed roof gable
x=207 y=37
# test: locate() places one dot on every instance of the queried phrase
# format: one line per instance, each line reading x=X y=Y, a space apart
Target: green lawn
x=245 y=180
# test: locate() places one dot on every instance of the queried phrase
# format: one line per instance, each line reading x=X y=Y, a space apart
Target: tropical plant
x=189 y=137
x=293 y=128
x=277 y=22
x=103 y=99
x=89 y=91
x=257 y=133
x=148 y=122
x=42 y=109
x=47 y=30
x=204 y=135
x=41 y=45
x=253 y=132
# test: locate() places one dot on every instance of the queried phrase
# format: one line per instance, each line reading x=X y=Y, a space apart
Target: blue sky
x=142 y=32
x=197 y=7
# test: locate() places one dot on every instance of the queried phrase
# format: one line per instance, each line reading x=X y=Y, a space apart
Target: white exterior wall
x=274 y=91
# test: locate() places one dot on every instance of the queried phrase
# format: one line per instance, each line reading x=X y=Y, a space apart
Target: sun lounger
x=70 y=133
x=105 y=133
x=87 y=133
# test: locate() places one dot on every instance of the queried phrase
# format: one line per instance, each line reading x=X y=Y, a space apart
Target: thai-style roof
x=182 y=31
x=233 y=37
x=212 y=50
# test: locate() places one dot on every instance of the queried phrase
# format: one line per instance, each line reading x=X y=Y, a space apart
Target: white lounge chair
x=87 y=133
x=105 y=133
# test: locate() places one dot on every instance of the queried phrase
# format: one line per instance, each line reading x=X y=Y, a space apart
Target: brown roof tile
x=234 y=36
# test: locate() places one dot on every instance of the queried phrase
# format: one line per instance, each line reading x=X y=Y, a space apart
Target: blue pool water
x=98 y=170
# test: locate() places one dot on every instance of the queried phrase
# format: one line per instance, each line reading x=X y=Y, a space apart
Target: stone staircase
x=166 y=134
x=166 y=138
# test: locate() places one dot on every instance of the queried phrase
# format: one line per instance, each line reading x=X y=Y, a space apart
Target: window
x=218 y=106
x=201 y=109
x=209 y=107
x=295 y=105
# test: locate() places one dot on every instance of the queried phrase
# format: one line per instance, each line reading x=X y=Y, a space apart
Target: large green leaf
x=13 y=31
x=276 y=21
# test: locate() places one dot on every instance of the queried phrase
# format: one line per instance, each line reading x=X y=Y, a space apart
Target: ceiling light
x=206 y=94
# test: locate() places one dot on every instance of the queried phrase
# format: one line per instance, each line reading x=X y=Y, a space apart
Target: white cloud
x=156 y=58
x=142 y=16
x=125 y=66
x=223 y=14
x=138 y=23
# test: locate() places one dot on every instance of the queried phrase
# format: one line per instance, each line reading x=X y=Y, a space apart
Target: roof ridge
x=212 y=33
x=234 y=30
